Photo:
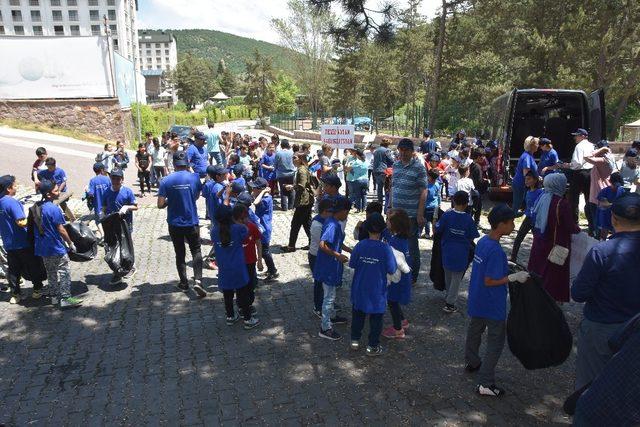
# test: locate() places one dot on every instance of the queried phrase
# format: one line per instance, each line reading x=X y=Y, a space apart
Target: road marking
x=50 y=148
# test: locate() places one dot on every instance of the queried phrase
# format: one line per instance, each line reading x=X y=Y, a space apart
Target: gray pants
x=496 y=331
x=593 y=350
x=452 y=280
x=58 y=275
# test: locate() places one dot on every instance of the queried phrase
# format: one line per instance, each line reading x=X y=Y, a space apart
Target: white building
x=73 y=18
x=157 y=50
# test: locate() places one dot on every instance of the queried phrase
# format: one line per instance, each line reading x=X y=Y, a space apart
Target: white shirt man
x=583 y=148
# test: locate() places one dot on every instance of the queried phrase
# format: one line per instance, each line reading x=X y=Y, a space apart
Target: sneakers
x=36 y=294
x=197 y=286
x=233 y=319
x=338 y=320
x=470 y=368
x=355 y=345
x=182 y=287
x=490 y=390
x=54 y=300
x=318 y=313
x=449 y=308
x=70 y=302
x=329 y=334
x=130 y=273
x=271 y=277
x=405 y=324
x=251 y=323
x=374 y=351
x=287 y=249
x=115 y=279
x=392 y=333
x=15 y=299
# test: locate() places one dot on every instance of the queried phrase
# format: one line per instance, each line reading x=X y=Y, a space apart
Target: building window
x=94 y=15
x=166 y=59
x=111 y=14
x=111 y=2
x=1 y=29
x=58 y=30
x=166 y=51
x=14 y=2
x=158 y=53
x=115 y=44
x=35 y=16
x=55 y=2
x=73 y=15
x=148 y=52
x=114 y=29
x=149 y=60
x=37 y=30
x=56 y=15
x=93 y=2
x=95 y=30
x=16 y=15
x=72 y=2
x=158 y=45
x=0 y=15
x=18 y=30
x=34 y=2
x=74 y=29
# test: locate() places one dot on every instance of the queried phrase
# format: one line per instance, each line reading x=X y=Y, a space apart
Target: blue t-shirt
x=268 y=160
x=284 y=163
x=371 y=260
x=328 y=269
x=198 y=159
x=50 y=243
x=401 y=292
x=232 y=270
x=115 y=200
x=433 y=196
x=458 y=230
x=264 y=211
x=13 y=236
x=548 y=158
x=530 y=201
x=181 y=189
x=526 y=161
x=210 y=189
x=213 y=141
x=58 y=176
x=98 y=185
x=359 y=172
x=489 y=302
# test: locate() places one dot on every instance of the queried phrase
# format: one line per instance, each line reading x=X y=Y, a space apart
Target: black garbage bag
x=537 y=331
x=436 y=272
x=84 y=239
x=118 y=244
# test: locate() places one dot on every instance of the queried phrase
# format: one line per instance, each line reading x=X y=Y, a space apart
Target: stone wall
x=102 y=117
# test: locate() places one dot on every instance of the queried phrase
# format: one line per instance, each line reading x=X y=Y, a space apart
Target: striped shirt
x=409 y=181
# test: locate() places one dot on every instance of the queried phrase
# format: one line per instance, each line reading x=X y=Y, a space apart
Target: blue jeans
x=318 y=292
x=414 y=249
x=379 y=179
x=518 y=199
x=217 y=156
x=328 y=311
x=428 y=217
x=375 y=326
x=358 y=193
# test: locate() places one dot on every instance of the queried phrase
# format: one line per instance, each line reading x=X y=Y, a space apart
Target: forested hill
x=216 y=45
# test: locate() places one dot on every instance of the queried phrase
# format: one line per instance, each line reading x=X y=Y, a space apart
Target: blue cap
x=602 y=143
x=200 y=135
x=426 y=132
x=545 y=141
x=580 y=131
x=46 y=186
x=245 y=198
x=331 y=179
x=5 y=182
x=500 y=213
x=97 y=166
x=214 y=170
x=405 y=143
x=259 y=183
x=117 y=172
x=631 y=152
x=627 y=206
x=237 y=187
x=180 y=159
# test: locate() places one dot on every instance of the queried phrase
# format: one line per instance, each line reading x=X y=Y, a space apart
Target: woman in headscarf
x=554 y=225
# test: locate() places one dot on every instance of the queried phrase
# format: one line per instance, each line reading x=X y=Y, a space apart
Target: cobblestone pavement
x=147 y=354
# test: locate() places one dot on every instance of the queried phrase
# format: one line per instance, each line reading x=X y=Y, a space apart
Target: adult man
x=213 y=144
x=178 y=192
x=408 y=192
x=608 y=284
x=197 y=156
x=382 y=159
x=580 y=180
x=428 y=144
x=284 y=174
x=13 y=230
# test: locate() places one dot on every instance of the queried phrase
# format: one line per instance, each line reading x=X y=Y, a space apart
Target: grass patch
x=39 y=127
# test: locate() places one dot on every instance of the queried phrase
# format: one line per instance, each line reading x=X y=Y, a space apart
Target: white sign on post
x=338 y=136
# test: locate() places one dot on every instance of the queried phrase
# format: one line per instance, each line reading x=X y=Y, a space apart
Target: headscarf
x=554 y=184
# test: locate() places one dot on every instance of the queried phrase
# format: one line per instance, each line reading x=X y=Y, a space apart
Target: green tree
x=346 y=87
x=285 y=91
x=259 y=79
x=194 y=78
x=226 y=80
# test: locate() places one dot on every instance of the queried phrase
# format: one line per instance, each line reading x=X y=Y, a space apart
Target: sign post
x=338 y=136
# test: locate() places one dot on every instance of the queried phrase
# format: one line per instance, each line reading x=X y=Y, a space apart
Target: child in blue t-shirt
x=328 y=268
x=96 y=189
x=458 y=231
x=532 y=181
x=432 y=204
x=233 y=277
x=263 y=203
x=487 y=302
x=325 y=210
x=50 y=237
x=213 y=193
x=371 y=260
x=606 y=197
x=399 y=293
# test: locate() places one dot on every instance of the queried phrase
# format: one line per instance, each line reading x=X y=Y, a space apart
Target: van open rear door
x=597 y=118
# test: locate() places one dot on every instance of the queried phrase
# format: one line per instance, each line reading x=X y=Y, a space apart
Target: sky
x=247 y=18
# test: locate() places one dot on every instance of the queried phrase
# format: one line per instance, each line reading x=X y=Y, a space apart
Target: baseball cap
x=259 y=182
x=98 y=166
x=545 y=141
x=214 y=170
x=405 y=143
x=342 y=204
x=237 y=187
x=245 y=198
x=635 y=144
x=331 y=179
x=180 y=159
x=5 y=182
x=117 y=172
x=462 y=132
x=627 y=206
x=375 y=223
x=500 y=213
x=602 y=143
x=200 y=135
x=46 y=186
x=580 y=131
x=631 y=152
x=426 y=132
x=238 y=169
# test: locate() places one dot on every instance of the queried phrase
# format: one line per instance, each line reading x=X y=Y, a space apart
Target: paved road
x=147 y=354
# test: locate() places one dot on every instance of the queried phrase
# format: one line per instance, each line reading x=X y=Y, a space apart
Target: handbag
x=558 y=254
